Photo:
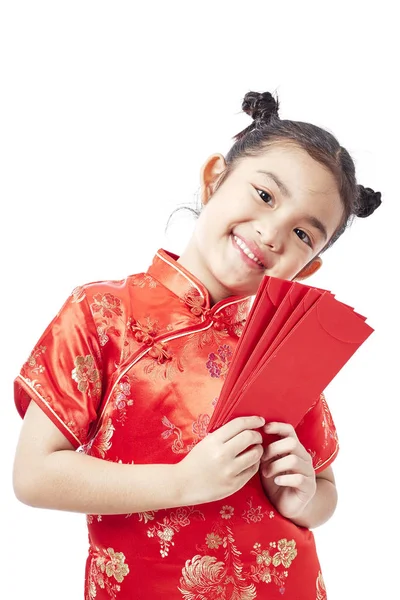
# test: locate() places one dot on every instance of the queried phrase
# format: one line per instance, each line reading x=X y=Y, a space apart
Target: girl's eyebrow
x=313 y=221
x=284 y=190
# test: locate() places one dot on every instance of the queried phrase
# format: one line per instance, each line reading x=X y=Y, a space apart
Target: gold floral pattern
x=227 y=511
x=199 y=429
x=255 y=514
x=107 y=305
x=267 y=561
x=219 y=571
x=33 y=363
x=122 y=399
x=145 y=517
x=172 y=523
x=86 y=375
x=92 y=518
x=105 y=567
x=101 y=443
x=213 y=541
x=206 y=577
x=143 y=280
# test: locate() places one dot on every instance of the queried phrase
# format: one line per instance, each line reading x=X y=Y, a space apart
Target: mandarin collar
x=175 y=277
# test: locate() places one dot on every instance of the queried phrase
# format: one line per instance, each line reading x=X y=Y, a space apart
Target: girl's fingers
x=282 y=429
x=289 y=445
x=243 y=440
x=248 y=459
x=293 y=480
x=291 y=463
x=231 y=429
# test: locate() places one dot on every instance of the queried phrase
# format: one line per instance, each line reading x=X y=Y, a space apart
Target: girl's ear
x=311 y=268
x=211 y=172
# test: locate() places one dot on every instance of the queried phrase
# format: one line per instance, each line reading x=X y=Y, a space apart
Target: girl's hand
x=287 y=472
x=223 y=462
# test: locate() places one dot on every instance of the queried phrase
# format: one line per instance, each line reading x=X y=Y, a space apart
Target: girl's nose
x=271 y=236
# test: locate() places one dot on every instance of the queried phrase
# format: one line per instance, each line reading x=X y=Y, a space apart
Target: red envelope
x=288 y=353
x=270 y=295
x=295 y=304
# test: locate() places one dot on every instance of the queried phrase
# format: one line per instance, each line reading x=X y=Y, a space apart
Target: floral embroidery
x=213 y=541
x=255 y=514
x=209 y=337
x=107 y=305
x=86 y=374
x=264 y=572
x=287 y=553
x=106 y=566
x=171 y=524
x=178 y=446
x=222 y=576
x=200 y=426
x=205 y=577
x=101 y=443
x=90 y=518
x=106 y=310
x=33 y=359
x=147 y=516
x=143 y=280
x=121 y=399
x=218 y=364
x=226 y=512
x=321 y=590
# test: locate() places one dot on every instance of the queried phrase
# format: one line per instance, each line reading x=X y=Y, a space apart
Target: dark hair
x=268 y=129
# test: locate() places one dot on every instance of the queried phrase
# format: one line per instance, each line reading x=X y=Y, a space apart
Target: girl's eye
x=303 y=236
x=267 y=198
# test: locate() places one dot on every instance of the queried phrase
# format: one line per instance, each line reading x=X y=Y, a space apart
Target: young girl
x=128 y=373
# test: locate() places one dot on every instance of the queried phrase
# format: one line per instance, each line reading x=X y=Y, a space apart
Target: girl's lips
x=249 y=261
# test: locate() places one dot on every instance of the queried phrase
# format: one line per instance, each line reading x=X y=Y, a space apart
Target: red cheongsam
x=130 y=372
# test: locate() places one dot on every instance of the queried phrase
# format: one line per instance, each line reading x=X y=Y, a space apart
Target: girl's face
x=282 y=205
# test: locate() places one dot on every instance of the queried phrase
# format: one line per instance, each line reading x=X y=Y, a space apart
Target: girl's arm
x=48 y=473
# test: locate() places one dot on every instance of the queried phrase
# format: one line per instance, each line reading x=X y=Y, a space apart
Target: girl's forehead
x=292 y=162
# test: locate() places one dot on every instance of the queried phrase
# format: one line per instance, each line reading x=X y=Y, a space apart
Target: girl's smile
x=249 y=253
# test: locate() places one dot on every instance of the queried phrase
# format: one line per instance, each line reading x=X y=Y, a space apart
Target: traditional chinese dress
x=130 y=372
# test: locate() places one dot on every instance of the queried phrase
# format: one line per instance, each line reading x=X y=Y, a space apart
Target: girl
x=128 y=374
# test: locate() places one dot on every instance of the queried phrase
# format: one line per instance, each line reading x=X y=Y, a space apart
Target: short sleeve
x=317 y=432
x=63 y=373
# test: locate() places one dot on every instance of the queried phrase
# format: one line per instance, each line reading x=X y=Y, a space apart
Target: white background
x=108 y=111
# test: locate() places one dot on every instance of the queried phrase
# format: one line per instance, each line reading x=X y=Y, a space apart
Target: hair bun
x=260 y=106
x=368 y=201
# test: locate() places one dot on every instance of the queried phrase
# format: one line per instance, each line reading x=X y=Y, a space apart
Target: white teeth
x=246 y=250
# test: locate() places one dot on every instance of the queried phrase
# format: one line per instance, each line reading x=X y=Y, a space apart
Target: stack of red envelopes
x=296 y=339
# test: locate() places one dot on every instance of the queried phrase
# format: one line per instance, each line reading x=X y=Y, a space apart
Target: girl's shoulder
x=112 y=294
